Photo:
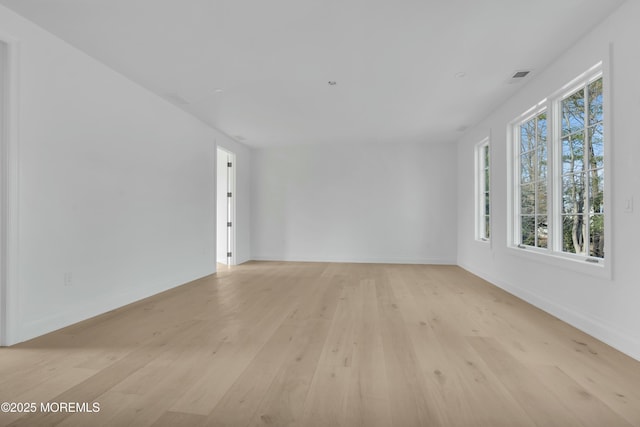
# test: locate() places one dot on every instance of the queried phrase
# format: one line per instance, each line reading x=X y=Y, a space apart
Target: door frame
x=9 y=291
x=231 y=206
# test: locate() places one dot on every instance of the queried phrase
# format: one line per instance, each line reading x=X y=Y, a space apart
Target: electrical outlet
x=68 y=278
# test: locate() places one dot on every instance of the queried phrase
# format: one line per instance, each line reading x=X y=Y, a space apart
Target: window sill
x=601 y=270
x=485 y=243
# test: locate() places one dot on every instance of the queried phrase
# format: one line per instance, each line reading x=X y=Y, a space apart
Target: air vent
x=520 y=74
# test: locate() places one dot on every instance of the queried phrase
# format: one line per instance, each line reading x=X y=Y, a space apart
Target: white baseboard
x=44 y=325
x=592 y=325
x=437 y=261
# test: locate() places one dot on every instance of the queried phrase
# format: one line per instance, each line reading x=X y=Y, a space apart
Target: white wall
x=607 y=309
x=355 y=203
x=116 y=187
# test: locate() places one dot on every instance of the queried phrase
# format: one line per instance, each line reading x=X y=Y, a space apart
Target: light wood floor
x=316 y=344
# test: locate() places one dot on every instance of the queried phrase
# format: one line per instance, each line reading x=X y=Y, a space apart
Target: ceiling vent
x=520 y=74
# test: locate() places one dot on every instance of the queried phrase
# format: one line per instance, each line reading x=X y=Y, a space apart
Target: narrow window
x=483 y=191
x=533 y=182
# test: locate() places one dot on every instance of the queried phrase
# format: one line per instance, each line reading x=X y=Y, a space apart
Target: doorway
x=225 y=207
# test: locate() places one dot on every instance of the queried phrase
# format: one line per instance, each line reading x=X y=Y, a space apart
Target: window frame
x=553 y=254
x=517 y=176
x=481 y=213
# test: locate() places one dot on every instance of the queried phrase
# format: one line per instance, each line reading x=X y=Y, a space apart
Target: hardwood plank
x=538 y=400
x=233 y=356
x=459 y=377
x=89 y=389
x=283 y=403
x=368 y=397
x=409 y=395
x=173 y=419
x=325 y=344
x=590 y=410
x=326 y=400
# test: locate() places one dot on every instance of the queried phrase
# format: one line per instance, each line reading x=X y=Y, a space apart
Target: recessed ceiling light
x=460 y=74
x=332 y=82
x=218 y=90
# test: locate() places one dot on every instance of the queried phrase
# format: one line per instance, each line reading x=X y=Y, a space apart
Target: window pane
x=542 y=128
x=487 y=226
x=542 y=230
x=596 y=147
x=542 y=162
x=527 y=168
x=573 y=234
x=486 y=203
x=596 y=191
x=596 y=238
x=541 y=199
x=527 y=136
x=573 y=113
x=486 y=180
x=573 y=193
x=595 y=102
x=527 y=199
x=527 y=223
x=486 y=156
x=573 y=153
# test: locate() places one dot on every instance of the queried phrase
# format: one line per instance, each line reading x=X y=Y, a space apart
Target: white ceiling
x=394 y=61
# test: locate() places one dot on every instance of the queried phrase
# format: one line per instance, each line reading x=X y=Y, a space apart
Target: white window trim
x=573 y=262
x=479 y=192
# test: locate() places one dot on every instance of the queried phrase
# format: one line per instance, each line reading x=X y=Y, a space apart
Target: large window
x=559 y=172
x=483 y=199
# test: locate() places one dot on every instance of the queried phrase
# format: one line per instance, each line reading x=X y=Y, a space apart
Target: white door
x=225 y=207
